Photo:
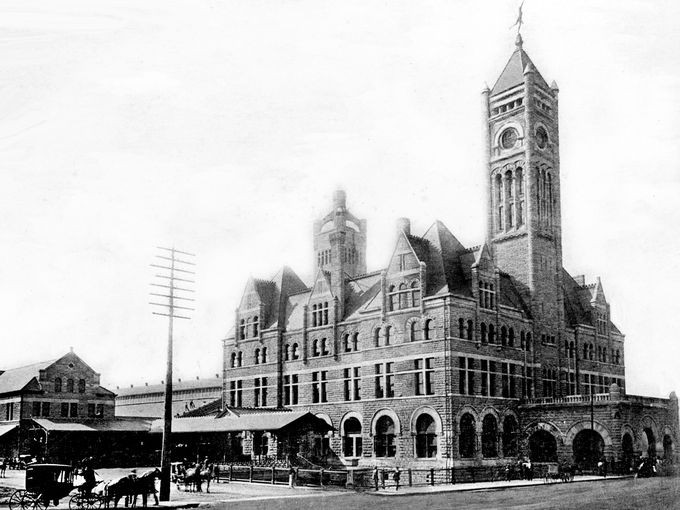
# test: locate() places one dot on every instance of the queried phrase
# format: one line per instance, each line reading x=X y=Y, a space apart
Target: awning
x=270 y=421
x=4 y=429
x=115 y=425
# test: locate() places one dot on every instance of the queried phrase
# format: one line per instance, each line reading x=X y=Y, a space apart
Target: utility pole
x=167 y=281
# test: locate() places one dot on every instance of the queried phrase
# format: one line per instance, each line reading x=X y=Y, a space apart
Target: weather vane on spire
x=519 y=21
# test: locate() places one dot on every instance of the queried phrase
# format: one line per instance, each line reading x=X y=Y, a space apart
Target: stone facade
x=453 y=356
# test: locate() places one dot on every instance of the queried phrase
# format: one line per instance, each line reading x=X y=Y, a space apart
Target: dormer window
x=403 y=296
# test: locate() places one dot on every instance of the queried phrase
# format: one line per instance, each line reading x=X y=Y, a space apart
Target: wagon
x=45 y=483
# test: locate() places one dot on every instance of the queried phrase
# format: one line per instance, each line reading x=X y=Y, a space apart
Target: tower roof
x=513 y=73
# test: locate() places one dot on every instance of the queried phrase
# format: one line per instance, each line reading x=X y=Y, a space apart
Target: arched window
x=511 y=337
x=376 y=337
x=384 y=443
x=351 y=438
x=256 y=357
x=239 y=358
x=264 y=355
x=314 y=316
x=522 y=340
x=591 y=351
x=427 y=330
x=242 y=329
x=470 y=329
x=355 y=341
x=57 y=385
x=492 y=334
x=482 y=332
x=81 y=385
x=489 y=436
x=69 y=385
x=604 y=355
x=426 y=437
x=315 y=347
x=415 y=292
x=286 y=353
x=413 y=331
x=461 y=328
x=256 y=326
x=466 y=437
x=324 y=347
x=391 y=299
x=388 y=330
x=233 y=359
x=528 y=343
x=295 y=352
x=499 y=203
x=346 y=343
x=504 y=336
x=585 y=351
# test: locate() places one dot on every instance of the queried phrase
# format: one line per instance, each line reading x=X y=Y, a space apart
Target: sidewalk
x=481 y=486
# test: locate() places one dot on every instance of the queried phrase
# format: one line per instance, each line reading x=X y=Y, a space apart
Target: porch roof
x=115 y=425
x=271 y=421
x=4 y=429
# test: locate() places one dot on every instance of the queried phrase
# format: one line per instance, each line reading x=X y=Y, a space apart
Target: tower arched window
x=492 y=334
x=509 y=200
x=482 y=332
x=242 y=329
x=461 y=328
x=233 y=360
x=263 y=355
x=499 y=203
x=355 y=341
x=470 y=329
x=256 y=357
x=550 y=199
x=415 y=292
x=347 y=347
x=295 y=351
x=528 y=342
x=388 y=331
x=286 y=353
x=256 y=326
x=239 y=358
x=519 y=176
x=376 y=337
x=585 y=351
x=314 y=316
x=511 y=337
x=504 y=336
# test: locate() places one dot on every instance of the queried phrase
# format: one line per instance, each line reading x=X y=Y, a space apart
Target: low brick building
x=57 y=410
x=453 y=355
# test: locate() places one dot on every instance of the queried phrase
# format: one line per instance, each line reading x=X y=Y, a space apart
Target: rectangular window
x=64 y=410
x=90 y=410
x=74 y=409
x=466 y=376
x=488 y=369
x=100 y=410
x=352 y=383
x=256 y=392
x=513 y=388
x=81 y=385
x=36 y=408
x=236 y=393
x=45 y=409
x=316 y=390
x=384 y=380
x=505 y=380
x=424 y=376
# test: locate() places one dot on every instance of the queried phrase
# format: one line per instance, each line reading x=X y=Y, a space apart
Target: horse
x=118 y=488
x=145 y=484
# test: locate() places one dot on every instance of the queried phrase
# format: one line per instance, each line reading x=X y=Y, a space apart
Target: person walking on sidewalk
x=291 y=477
x=376 y=477
x=397 y=477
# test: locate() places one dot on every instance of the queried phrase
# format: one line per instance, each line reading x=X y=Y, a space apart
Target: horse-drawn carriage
x=48 y=483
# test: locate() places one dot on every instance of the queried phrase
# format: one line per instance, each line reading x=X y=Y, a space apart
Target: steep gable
x=513 y=73
x=404 y=257
x=322 y=286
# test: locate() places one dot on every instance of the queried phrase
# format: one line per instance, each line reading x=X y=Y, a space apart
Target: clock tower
x=523 y=186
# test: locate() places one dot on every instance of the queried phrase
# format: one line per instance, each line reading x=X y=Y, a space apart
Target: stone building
x=58 y=410
x=452 y=355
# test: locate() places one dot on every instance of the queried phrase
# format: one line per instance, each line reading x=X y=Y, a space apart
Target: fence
x=279 y=475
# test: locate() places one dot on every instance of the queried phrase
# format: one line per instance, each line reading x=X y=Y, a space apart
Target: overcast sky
x=225 y=126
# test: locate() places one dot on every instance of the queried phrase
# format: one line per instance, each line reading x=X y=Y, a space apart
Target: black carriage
x=45 y=484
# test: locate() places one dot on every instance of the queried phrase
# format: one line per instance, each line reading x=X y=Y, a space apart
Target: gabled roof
x=579 y=299
x=513 y=73
x=112 y=425
x=18 y=379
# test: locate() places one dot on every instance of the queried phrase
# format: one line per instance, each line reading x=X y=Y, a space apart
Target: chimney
x=146 y=384
x=580 y=279
x=197 y=378
x=404 y=225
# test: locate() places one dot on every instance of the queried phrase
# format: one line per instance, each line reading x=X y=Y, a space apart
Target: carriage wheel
x=75 y=502
x=33 y=501
x=15 y=500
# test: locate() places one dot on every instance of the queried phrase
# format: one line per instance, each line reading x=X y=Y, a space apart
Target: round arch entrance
x=627 y=448
x=588 y=448
x=542 y=447
x=648 y=443
x=668 y=448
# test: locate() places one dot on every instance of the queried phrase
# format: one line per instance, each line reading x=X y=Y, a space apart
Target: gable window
x=263 y=355
x=57 y=385
x=315 y=348
x=320 y=314
x=256 y=326
x=376 y=337
x=392 y=298
x=81 y=385
x=242 y=329
x=487 y=295
x=402 y=261
x=403 y=296
x=415 y=292
x=69 y=385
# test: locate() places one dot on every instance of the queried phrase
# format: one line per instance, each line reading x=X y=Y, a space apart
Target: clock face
x=541 y=138
x=509 y=138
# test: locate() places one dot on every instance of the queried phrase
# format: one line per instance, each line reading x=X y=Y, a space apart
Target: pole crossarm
x=169 y=279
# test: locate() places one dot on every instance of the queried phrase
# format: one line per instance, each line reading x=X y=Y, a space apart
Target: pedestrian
x=397 y=477
x=291 y=477
x=3 y=468
x=376 y=477
x=383 y=477
x=216 y=473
